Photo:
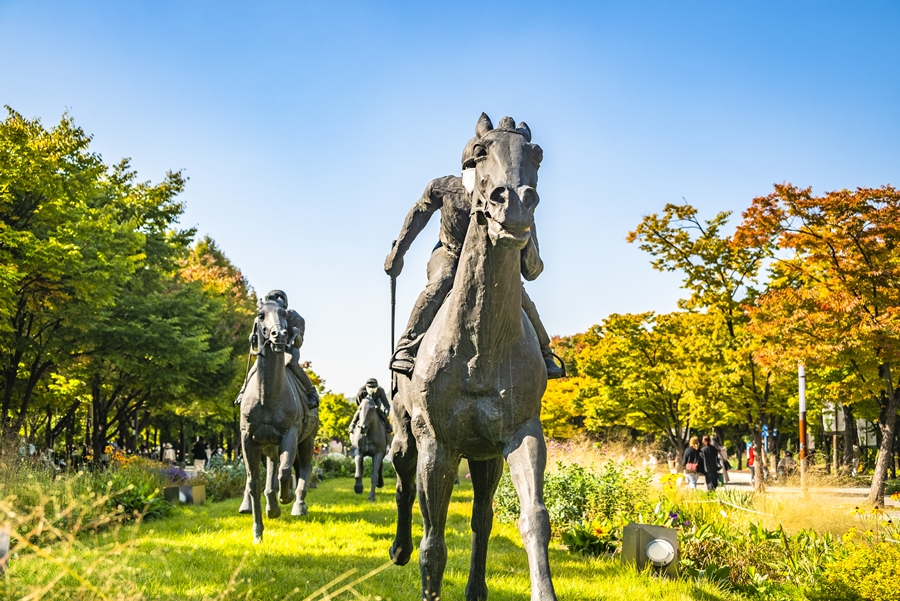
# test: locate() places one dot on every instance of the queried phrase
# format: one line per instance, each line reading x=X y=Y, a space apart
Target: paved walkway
x=741 y=481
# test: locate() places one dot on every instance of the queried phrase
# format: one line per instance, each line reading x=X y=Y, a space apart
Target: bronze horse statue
x=370 y=439
x=275 y=423
x=476 y=387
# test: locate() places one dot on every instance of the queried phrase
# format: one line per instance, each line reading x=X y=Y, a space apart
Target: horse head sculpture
x=506 y=174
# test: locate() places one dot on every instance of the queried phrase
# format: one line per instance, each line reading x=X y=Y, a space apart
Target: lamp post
x=801 y=373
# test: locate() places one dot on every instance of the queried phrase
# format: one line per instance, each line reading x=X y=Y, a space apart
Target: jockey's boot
x=402 y=362
x=553 y=370
x=387 y=424
x=312 y=399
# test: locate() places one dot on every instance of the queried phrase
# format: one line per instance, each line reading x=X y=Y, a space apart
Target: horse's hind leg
x=485 y=477
x=376 y=468
x=436 y=467
x=303 y=465
x=404 y=454
x=273 y=509
x=251 y=462
x=245 y=504
x=526 y=455
x=286 y=457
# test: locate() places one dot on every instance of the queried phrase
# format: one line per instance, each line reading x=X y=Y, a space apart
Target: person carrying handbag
x=691 y=460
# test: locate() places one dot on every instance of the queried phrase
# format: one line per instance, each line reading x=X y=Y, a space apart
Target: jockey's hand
x=393 y=264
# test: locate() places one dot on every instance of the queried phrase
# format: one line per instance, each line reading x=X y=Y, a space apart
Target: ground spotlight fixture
x=653 y=546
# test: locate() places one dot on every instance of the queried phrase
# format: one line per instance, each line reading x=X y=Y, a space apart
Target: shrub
x=335 y=465
x=387 y=469
x=223 y=479
x=869 y=573
x=136 y=490
x=576 y=495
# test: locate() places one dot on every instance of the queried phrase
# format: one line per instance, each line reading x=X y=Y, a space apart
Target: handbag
x=727 y=466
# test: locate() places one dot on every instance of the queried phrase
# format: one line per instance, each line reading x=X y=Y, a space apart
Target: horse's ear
x=483 y=126
x=507 y=123
x=524 y=130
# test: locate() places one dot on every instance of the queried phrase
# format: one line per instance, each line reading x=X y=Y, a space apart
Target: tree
x=649 y=371
x=839 y=294
x=335 y=413
x=69 y=240
x=724 y=280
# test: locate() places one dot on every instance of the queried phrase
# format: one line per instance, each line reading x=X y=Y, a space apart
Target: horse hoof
x=299 y=509
x=257 y=540
x=399 y=555
x=273 y=511
x=287 y=500
x=358 y=488
x=245 y=506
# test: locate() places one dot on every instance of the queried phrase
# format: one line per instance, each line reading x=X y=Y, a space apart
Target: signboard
x=833 y=419
x=867 y=432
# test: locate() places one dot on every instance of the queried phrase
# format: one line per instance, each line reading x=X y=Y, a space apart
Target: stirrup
x=554 y=371
x=403 y=365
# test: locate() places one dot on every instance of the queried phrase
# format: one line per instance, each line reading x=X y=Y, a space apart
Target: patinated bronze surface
x=476 y=385
x=275 y=422
x=452 y=196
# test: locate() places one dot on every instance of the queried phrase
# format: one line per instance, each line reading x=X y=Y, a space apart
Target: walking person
x=168 y=456
x=723 y=478
x=710 y=462
x=199 y=452
x=691 y=460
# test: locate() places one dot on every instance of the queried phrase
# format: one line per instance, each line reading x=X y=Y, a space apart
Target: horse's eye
x=261 y=316
x=479 y=151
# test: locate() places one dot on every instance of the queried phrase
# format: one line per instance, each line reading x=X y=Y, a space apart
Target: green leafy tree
x=335 y=413
x=69 y=239
x=724 y=280
x=649 y=371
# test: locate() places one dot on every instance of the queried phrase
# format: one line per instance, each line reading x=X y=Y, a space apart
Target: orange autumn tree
x=836 y=298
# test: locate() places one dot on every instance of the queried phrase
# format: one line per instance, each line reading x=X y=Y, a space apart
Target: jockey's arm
x=382 y=402
x=532 y=264
x=415 y=222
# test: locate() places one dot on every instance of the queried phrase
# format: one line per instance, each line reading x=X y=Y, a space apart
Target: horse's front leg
x=526 y=455
x=485 y=477
x=303 y=465
x=273 y=509
x=404 y=455
x=376 y=469
x=436 y=467
x=251 y=462
x=287 y=454
x=358 y=485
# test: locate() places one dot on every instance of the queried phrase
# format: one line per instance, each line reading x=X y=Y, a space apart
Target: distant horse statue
x=476 y=387
x=275 y=423
x=370 y=439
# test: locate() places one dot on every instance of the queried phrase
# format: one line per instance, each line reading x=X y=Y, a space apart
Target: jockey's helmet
x=278 y=295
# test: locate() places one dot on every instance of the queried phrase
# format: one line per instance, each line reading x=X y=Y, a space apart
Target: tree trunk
x=850 y=439
x=876 y=492
x=758 y=462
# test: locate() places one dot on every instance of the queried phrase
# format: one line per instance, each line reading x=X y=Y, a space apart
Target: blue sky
x=325 y=121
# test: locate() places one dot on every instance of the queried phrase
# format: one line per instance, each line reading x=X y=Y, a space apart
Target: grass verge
x=207 y=553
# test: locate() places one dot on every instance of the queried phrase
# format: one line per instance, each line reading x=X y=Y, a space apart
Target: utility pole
x=801 y=372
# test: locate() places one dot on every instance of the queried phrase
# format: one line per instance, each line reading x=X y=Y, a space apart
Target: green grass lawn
x=207 y=552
